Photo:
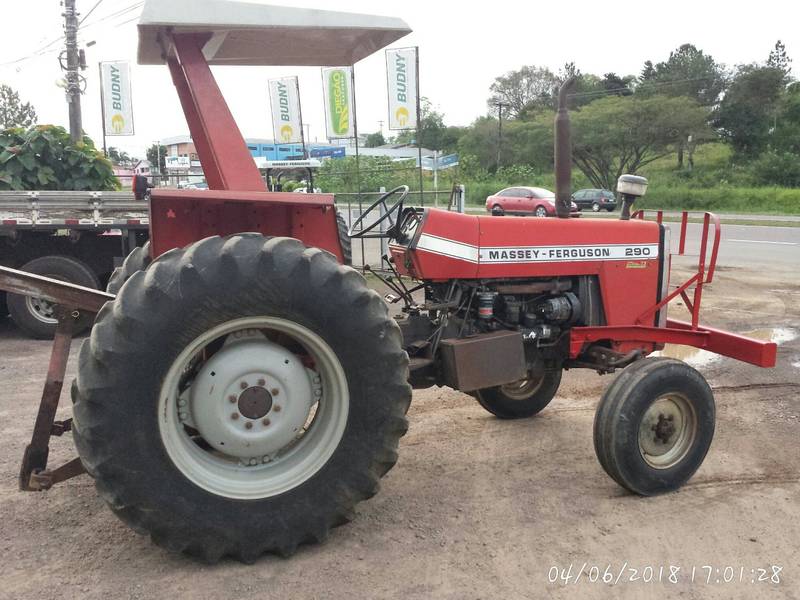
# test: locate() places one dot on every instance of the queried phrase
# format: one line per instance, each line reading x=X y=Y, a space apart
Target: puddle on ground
x=702 y=358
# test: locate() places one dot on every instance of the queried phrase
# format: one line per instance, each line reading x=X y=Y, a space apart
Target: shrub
x=777 y=168
x=44 y=158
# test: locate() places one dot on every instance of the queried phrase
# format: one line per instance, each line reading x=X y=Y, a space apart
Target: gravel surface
x=476 y=507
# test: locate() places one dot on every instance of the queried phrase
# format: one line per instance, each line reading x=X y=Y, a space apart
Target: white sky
x=463 y=47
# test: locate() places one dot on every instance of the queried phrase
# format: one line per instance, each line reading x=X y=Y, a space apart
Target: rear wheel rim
x=667 y=431
x=259 y=415
x=41 y=309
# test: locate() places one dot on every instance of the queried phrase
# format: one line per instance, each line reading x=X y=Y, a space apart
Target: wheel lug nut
x=266 y=422
x=232 y=399
x=262 y=382
x=277 y=408
x=248 y=425
x=243 y=385
x=235 y=416
x=274 y=391
x=181 y=402
x=253 y=461
x=183 y=416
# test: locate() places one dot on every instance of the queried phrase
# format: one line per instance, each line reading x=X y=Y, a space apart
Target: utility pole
x=499 y=106
x=72 y=71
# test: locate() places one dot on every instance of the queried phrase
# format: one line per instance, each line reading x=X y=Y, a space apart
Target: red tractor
x=244 y=390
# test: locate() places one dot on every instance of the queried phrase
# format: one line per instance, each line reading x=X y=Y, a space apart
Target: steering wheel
x=396 y=206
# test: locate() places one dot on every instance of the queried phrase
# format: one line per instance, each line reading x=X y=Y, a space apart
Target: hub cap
x=522 y=389
x=41 y=309
x=253 y=407
x=667 y=431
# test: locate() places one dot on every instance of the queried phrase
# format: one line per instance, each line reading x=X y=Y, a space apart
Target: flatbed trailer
x=78 y=237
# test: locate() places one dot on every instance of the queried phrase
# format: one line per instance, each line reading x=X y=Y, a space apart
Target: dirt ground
x=476 y=507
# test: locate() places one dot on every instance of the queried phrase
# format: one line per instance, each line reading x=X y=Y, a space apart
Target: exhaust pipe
x=563 y=152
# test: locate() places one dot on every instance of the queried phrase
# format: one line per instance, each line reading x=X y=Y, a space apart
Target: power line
x=114 y=15
x=628 y=89
x=91 y=10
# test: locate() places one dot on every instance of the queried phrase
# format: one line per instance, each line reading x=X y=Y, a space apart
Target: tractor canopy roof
x=246 y=33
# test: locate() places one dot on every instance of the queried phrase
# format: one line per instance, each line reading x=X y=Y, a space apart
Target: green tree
x=157 y=155
x=374 y=140
x=523 y=89
x=748 y=112
x=433 y=133
x=13 y=112
x=612 y=136
x=44 y=158
x=687 y=72
x=779 y=59
x=614 y=85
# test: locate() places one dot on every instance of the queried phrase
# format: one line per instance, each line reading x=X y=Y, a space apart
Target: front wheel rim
x=667 y=431
x=251 y=407
x=522 y=389
x=540 y=212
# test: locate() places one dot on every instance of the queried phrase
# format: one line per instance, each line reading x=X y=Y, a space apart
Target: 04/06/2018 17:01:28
x=575 y=573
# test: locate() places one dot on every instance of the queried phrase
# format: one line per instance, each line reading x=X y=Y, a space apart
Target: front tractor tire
x=240 y=396
x=654 y=425
x=523 y=398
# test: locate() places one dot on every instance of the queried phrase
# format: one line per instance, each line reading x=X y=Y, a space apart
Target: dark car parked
x=597 y=200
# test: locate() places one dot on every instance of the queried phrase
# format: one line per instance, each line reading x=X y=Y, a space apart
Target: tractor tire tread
x=287 y=275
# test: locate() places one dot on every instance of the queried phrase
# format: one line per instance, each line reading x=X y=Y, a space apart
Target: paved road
x=747 y=244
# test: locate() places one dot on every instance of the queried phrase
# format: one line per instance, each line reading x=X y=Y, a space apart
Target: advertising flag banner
x=401 y=72
x=284 y=97
x=116 y=98
x=337 y=91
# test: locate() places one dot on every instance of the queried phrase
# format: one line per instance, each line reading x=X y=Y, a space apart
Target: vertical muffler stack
x=563 y=152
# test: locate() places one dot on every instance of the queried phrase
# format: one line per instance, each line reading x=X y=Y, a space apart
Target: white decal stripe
x=536 y=254
x=447 y=247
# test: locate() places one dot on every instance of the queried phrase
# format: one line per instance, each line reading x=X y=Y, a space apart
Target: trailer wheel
x=523 y=398
x=137 y=260
x=344 y=239
x=654 y=425
x=34 y=315
x=225 y=410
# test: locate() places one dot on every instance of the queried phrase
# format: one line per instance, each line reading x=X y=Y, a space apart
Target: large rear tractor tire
x=36 y=316
x=521 y=399
x=344 y=239
x=654 y=425
x=241 y=396
x=137 y=260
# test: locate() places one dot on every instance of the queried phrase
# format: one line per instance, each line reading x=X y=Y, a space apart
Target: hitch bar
x=69 y=300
